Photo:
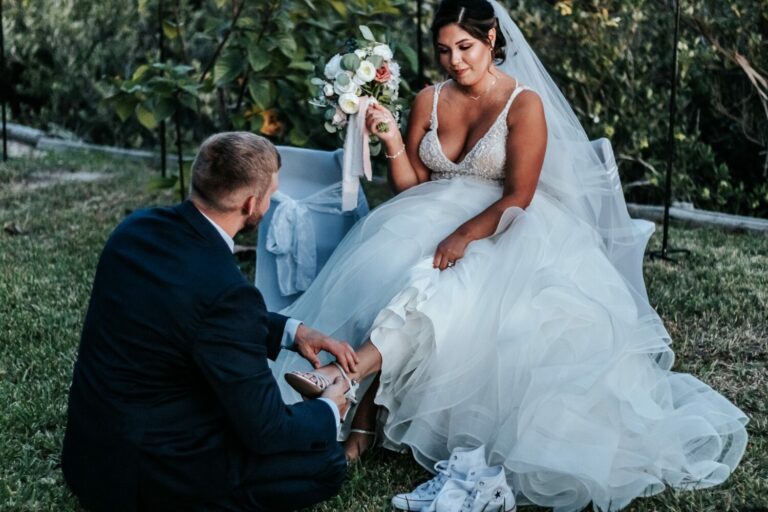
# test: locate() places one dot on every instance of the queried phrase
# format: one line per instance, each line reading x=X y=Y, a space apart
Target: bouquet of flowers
x=366 y=70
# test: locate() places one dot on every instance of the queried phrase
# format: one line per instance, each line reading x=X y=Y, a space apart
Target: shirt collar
x=228 y=239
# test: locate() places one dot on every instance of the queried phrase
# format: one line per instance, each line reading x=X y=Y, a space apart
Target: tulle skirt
x=533 y=345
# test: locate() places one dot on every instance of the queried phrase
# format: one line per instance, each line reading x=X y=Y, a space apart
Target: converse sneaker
x=458 y=466
x=484 y=490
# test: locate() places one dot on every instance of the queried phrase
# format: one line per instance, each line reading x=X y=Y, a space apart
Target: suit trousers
x=288 y=481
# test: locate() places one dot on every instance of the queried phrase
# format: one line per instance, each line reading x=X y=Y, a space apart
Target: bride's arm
x=526 y=145
x=405 y=169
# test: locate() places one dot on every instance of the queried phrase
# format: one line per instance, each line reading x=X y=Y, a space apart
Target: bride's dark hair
x=476 y=17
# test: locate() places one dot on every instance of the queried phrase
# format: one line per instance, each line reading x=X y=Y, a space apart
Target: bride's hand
x=450 y=250
x=377 y=114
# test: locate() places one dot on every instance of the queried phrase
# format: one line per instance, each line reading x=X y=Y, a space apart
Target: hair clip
x=461 y=15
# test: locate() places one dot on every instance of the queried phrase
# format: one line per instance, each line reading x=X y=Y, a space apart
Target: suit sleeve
x=276 y=327
x=231 y=351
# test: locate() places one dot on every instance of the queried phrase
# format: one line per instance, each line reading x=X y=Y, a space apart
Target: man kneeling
x=172 y=404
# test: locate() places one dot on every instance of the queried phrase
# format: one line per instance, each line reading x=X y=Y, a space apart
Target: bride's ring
x=451 y=263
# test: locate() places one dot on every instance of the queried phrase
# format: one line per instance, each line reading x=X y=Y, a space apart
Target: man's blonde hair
x=230 y=164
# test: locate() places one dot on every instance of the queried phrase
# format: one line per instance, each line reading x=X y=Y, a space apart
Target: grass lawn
x=714 y=304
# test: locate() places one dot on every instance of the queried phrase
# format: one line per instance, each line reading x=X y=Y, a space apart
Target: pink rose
x=383 y=74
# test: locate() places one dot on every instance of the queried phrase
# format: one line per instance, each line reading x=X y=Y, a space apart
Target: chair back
x=303 y=172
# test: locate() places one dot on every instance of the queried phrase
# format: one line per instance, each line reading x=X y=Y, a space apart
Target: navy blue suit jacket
x=171 y=398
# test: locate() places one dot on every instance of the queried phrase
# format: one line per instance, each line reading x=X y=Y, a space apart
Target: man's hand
x=336 y=393
x=310 y=342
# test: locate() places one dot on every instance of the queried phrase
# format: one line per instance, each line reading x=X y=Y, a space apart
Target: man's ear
x=248 y=206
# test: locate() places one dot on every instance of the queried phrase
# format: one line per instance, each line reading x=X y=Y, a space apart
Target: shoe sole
x=303 y=386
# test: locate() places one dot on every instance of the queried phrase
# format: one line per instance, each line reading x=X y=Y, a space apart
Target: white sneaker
x=458 y=466
x=484 y=490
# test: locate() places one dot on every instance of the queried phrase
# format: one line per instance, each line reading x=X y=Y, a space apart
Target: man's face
x=263 y=205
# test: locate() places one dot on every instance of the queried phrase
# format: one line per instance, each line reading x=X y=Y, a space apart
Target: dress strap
x=518 y=89
x=433 y=120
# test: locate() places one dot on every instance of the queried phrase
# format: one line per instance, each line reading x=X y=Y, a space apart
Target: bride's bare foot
x=358 y=442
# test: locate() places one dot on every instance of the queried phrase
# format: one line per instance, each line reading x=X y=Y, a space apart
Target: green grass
x=714 y=305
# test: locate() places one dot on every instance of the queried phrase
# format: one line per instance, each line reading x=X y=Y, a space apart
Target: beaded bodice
x=484 y=161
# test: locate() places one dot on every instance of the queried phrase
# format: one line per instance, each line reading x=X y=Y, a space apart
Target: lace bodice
x=484 y=161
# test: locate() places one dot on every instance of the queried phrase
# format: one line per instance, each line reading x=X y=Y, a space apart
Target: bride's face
x=464 y=57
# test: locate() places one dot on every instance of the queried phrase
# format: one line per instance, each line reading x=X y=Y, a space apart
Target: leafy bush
x=613 y=60
x=253 y=61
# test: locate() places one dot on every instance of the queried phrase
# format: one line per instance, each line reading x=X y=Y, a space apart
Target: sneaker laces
x=433 y=486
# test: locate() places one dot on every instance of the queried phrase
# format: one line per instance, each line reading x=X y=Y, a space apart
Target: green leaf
x=350 y=62
x=188 y=101
x=181 y=69
x=258 y=58
x=339 y=7
x=124 y=106
x=287 y=45
x=376 y=60
x=164 y=109
x=228 y=67
x=146 y=117
x=303 y=65
x=263 y=92
x=297 y=137
x=410 y=55
x=170 y=29
x=140 y=72
x=367 y=34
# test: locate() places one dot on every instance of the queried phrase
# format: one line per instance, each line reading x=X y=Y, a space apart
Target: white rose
x=333 y=67
x=328 y=90
x=344 y=84
x=349 y=103
x=383 y=51
x=366 y=72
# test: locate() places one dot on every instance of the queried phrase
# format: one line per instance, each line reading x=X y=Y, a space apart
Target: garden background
x=246 y=65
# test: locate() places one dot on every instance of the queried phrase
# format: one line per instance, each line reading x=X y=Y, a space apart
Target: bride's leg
x=363 y=432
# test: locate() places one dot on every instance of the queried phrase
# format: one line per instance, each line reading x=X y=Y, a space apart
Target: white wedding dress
x=533 y=344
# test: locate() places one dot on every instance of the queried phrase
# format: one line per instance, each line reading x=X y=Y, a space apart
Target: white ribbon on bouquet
x=357 y=155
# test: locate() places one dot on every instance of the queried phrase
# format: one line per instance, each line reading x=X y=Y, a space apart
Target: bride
x=498 y=297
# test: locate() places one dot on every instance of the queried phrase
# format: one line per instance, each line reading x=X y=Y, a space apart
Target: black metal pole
x=179 y=155
x=665 y=250
x=163 y=150
x=418 y=46
x=2 y=84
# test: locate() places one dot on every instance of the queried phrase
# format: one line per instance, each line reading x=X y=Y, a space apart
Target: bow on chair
x=291 y=235
x=291 y=238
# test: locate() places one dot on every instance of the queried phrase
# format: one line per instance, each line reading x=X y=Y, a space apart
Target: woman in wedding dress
x=499 y=295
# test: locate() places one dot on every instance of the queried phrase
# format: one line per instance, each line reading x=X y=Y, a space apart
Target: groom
x=172 y=404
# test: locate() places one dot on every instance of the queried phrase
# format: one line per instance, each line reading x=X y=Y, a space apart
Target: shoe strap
x=352 y=383
x=317 y=378
x=361 y=431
